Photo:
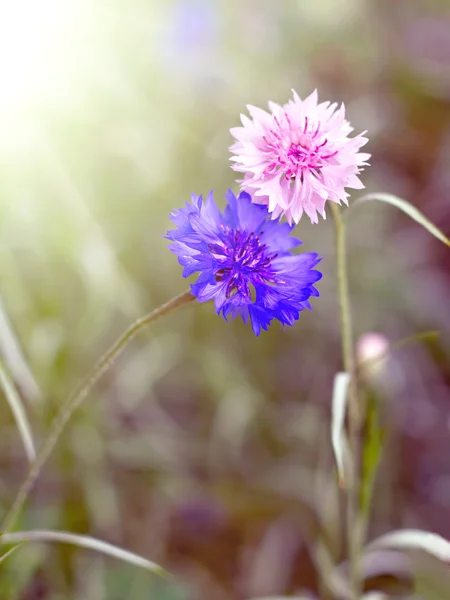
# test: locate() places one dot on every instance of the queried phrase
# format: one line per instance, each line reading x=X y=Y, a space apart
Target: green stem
x=348 y=358
x=74 y=401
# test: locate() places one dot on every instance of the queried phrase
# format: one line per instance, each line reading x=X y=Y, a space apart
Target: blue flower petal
x=240 y=250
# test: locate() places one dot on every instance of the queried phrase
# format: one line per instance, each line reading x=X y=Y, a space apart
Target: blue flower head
x=244 y=260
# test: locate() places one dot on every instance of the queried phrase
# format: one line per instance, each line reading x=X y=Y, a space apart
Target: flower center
x=243 y=261
x=304 y=152
x=296 y=150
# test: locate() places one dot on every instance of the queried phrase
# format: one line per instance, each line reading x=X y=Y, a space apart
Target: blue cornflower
x=244 y=260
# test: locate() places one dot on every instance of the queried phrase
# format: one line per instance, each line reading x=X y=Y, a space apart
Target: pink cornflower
x=298 y=157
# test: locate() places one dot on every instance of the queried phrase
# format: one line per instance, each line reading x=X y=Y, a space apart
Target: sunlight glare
x=35 y=40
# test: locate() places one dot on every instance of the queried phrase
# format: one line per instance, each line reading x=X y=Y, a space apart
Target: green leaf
x=408 y=209
x=371 y=456
x=338 y=437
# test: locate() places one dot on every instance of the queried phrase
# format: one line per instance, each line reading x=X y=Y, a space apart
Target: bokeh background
x=205 y=449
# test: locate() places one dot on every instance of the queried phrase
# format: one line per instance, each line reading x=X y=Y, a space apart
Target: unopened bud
x=371 y=353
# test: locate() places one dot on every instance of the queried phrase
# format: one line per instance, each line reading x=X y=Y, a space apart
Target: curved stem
x=348 y=358
x=74 y=401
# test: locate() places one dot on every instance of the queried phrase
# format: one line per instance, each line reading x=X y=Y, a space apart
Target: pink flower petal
x=298 y=156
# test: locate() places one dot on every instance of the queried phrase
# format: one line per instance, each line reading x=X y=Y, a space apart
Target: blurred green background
x=205 y=449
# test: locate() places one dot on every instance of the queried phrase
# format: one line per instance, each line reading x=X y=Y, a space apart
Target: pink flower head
x=298 y=157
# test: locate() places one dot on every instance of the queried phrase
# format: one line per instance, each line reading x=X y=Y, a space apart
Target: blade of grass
x=83 y=541
x=405 y=207
x=14 y=359
x=18 y=410
x=10 y=551
x=414 y=539
x=338 y=438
